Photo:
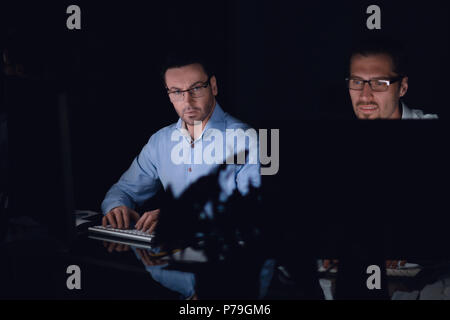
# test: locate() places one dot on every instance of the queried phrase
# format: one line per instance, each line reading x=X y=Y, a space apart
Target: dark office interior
x=345 y=189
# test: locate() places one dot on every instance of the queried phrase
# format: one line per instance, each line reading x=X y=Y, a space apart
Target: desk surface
x=36 y=268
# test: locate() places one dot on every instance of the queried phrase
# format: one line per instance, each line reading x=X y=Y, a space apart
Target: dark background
x=280 y=64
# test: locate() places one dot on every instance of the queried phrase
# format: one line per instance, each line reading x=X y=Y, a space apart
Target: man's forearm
x=116 y=197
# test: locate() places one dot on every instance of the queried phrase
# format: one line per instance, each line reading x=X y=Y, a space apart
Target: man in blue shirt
x=166 y=161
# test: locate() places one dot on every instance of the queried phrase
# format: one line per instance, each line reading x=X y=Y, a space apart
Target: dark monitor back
x=39 y=171
x=380 y=186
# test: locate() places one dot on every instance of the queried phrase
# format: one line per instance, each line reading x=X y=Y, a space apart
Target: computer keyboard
x=126 y=234
x=126 y=242
x=408 y=270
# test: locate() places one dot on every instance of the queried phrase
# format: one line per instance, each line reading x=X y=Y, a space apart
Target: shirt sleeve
x=248 y=175
x=138 y=184
x=242 y=176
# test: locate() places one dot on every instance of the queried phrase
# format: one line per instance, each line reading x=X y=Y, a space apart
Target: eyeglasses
x=377 y=85
x=195 y=92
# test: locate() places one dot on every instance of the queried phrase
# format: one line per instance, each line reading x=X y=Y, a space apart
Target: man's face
x=369 y=104
x=191 y=109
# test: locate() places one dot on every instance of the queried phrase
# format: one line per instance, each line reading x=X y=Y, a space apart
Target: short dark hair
x=373 y=45
x=178 y=60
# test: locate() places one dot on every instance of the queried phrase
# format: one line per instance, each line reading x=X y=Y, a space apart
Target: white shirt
x=415 y=114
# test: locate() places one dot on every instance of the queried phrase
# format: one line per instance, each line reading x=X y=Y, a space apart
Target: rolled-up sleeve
x=138 y=184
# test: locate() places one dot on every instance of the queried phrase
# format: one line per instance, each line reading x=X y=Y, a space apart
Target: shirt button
x=192 y=145
x=190 y=169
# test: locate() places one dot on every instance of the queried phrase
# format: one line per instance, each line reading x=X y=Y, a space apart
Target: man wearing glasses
x=192 y=89
x=378 y=81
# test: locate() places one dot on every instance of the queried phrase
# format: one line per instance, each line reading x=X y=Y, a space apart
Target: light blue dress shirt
x=154 y=167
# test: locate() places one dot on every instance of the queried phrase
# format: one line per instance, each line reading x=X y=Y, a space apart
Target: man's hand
x=118 y=247
x=390 y=264
x=148 y=221
x=119 y=217
x=149 y=261
x=395 y=264
x=328 y=263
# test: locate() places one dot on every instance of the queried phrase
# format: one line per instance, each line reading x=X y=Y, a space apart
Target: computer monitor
x=378 y=186
x=40 y=174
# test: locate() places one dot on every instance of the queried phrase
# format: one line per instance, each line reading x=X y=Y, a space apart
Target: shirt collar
x=217 y=120
x=406 y=112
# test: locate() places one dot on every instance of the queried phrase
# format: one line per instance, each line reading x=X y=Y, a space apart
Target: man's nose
x=187 y=97
x=367 y=91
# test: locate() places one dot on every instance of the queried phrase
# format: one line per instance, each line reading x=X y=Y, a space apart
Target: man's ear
x=403 y=86
x=213 y=82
